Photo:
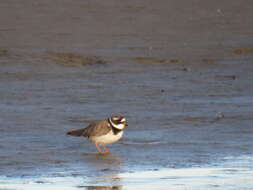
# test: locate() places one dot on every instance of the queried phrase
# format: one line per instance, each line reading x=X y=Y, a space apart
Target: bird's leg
x=106 y=150
x=99 y=150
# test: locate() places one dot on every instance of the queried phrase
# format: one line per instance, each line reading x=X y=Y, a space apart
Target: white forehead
x=123 y=119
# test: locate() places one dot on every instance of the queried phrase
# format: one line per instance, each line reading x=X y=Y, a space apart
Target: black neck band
x=114 y=129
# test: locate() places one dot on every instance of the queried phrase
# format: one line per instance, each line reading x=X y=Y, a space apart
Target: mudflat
x=180 y=72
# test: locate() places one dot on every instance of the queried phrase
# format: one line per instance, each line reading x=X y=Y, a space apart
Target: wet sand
x=228 y=177
x=180 y=72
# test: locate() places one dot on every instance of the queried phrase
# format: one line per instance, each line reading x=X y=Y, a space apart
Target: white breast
x=109 y=138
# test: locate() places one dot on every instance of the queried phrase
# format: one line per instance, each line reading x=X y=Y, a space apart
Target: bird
x=103 y=132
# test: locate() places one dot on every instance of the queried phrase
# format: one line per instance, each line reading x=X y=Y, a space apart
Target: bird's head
x=118 y=122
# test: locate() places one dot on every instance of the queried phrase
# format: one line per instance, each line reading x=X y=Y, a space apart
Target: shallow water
x=229 y=177
x=180 y=123
x=185 y=89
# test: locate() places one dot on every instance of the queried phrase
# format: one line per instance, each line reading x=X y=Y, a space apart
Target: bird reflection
x=106 y=172
x=102 y=163
x=116 y=187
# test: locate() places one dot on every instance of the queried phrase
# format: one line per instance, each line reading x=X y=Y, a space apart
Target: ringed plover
x=103 y=132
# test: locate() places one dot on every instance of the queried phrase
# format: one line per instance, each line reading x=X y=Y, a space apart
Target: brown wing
x=76 y=132
x=94 y=129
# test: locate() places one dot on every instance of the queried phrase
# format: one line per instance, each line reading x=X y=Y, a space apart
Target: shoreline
x=222 y=176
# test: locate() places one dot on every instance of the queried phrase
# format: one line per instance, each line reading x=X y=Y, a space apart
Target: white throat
x=119 y=126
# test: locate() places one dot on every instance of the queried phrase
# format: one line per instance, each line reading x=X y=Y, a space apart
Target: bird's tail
x=77 y=133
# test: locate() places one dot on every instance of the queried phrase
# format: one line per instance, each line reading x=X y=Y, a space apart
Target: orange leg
x=99 y=150
x=106 y=150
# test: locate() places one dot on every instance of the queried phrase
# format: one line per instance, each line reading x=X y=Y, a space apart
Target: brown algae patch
x=75 y=60
x=3 y=52
x=207 y=61
x=243 y=51
x=149 y=60
x=226 y=77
